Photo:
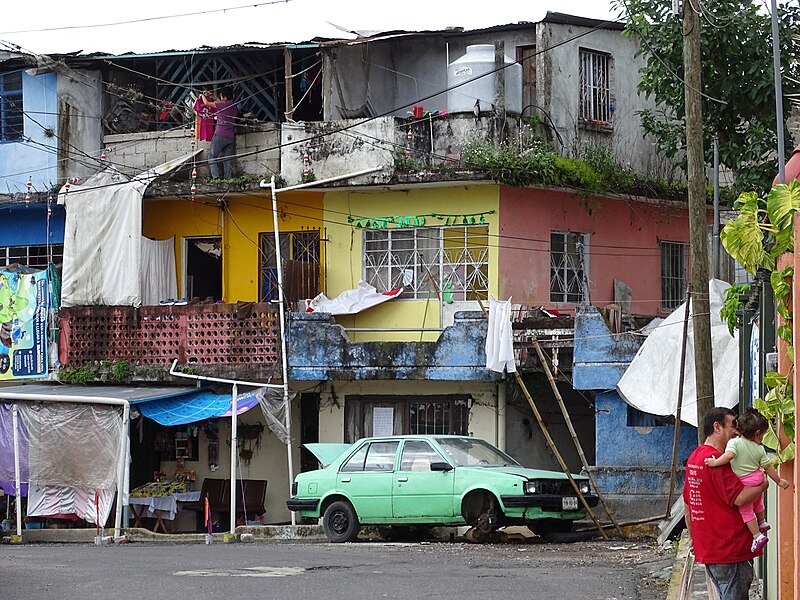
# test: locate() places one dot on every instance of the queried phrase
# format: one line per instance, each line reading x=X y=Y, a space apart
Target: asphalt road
x=311 y=570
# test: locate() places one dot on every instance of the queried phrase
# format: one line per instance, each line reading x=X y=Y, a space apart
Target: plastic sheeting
x=351 y=302
x=72 y=445
x=651 y=382
x=7 y=472
x=274 y=409
x=499 y=337
x=51 y=500
x=195 y=407
x=102 y=237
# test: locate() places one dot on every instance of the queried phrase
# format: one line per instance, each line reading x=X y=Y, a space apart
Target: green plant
x=77 y=375
x=732 y=304
x=120 y=371
x=756 y=238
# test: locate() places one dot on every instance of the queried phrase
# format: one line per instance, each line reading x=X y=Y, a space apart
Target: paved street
x=307 y=570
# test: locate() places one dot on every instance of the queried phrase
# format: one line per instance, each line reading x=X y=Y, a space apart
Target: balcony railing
x=211 y=337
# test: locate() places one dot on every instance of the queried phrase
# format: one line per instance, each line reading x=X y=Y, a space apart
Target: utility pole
x=698 y=221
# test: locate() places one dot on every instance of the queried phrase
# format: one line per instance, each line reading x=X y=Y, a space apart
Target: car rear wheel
x=340 y=522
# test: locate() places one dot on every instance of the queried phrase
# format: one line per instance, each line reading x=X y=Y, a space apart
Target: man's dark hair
x=225 y=91
x=717 y=414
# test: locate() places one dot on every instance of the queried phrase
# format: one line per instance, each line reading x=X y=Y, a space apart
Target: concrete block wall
x=258 y=148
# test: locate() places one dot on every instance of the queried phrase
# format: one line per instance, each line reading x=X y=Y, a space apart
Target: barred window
x=568 y=257
x=37 y=256
x=429 y=261
x=595 y=86
x=11 y=114
x=673 y=274
x=300 y=255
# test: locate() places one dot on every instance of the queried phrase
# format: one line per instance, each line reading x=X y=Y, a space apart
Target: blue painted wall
x=319 y=350
x=629 y=459
x=27 y=226
x=35 y=155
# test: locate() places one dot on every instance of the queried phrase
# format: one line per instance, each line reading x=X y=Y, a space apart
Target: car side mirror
x=441 y=466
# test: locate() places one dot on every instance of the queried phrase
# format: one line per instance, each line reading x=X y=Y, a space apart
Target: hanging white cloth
x=102 y=236
x=500 y=338
x=157 y=275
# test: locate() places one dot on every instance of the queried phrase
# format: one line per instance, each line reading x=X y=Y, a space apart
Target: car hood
x=524 y=472
x=327 y=453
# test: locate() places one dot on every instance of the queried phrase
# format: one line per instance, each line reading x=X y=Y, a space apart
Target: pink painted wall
x=624 y=239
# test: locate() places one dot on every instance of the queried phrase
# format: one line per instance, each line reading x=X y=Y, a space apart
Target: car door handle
x=402 y=479
x=345 y=480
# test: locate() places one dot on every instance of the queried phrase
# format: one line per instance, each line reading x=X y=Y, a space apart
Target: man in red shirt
x=711 y=496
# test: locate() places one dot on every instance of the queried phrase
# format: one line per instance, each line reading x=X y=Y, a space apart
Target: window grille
x=595 y=86
x=429 y=261
x=11 y=111
x=568 y=252
x=32 y=256
x=300 y=254
x=673 y=274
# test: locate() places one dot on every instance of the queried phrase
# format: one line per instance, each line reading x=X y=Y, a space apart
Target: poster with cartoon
x=24 y=301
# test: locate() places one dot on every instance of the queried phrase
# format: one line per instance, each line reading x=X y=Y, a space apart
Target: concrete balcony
x=320 y=350
x=225 y=340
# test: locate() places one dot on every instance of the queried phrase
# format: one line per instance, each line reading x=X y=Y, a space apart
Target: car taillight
x=294 y=488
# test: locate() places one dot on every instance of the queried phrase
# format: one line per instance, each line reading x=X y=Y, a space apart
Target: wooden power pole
x=698 y=220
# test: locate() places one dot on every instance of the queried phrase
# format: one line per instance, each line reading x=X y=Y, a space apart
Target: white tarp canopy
x=103 y=237
x=651 y=382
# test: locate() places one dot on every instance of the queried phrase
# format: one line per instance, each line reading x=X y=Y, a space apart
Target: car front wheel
x=340 y=522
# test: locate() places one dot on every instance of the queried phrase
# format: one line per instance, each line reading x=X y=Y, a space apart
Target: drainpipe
x=281 y=308
x=715 y=239
x=17 y=469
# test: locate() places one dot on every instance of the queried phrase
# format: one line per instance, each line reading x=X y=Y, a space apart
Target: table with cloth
x=159 y=500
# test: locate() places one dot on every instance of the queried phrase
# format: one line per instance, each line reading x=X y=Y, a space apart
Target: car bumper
x=302 y=504
x=544 y=502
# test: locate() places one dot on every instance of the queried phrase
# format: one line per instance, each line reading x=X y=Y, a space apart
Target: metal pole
x=234 y=433
x=17 y=469
x=284 y=358
x=122 y=463
x=715 y=240
x=776 y=67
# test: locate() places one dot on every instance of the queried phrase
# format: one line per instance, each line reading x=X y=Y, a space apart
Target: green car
x=432 y=480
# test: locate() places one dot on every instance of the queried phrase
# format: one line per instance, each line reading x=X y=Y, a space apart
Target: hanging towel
x=499 y=337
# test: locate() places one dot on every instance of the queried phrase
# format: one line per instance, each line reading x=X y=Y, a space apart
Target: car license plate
x=570 y=503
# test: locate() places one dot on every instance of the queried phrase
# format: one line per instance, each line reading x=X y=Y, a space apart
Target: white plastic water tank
x=478 y=61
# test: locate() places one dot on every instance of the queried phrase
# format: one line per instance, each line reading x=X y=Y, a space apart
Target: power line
x=144 y=19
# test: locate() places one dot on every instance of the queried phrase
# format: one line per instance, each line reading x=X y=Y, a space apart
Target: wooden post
x=558 y=456
x=574 y=435
x=288 y=80
x=681 y=380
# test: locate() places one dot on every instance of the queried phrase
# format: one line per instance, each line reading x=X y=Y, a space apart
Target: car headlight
x=531 y=487
x=584 y=487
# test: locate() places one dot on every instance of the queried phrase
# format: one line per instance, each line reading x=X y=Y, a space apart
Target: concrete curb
x=677 y=567
x=140 y=535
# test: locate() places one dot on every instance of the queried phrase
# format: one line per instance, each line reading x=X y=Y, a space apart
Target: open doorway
x=202 y=268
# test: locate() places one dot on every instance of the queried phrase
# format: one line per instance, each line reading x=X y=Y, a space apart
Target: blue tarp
x=190 y=408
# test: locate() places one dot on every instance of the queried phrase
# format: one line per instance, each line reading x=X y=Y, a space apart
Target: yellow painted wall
x=239 y=224
x=344 y=260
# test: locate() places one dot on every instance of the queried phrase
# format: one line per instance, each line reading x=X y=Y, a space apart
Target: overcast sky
x=292 y=21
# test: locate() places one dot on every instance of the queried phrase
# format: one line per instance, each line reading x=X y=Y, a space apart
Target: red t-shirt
x=719 y=535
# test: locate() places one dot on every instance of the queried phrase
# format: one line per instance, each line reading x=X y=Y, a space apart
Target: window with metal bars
x=300 y=256
x=595 y=87
x=568 y=260
x=429 y=262
x=32 y=256
x=673 y=274
x=11 y=112
x=419 y=415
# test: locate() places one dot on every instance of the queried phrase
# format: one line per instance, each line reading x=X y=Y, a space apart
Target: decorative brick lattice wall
x=202 y=335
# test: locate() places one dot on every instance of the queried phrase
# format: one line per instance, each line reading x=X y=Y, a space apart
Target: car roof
x=425 y=436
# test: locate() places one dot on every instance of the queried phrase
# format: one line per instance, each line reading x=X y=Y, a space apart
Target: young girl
x=749 y=462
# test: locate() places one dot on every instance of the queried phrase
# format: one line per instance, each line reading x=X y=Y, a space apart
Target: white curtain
x=157 y=274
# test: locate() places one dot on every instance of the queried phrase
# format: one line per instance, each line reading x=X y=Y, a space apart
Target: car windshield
x=467 y=452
